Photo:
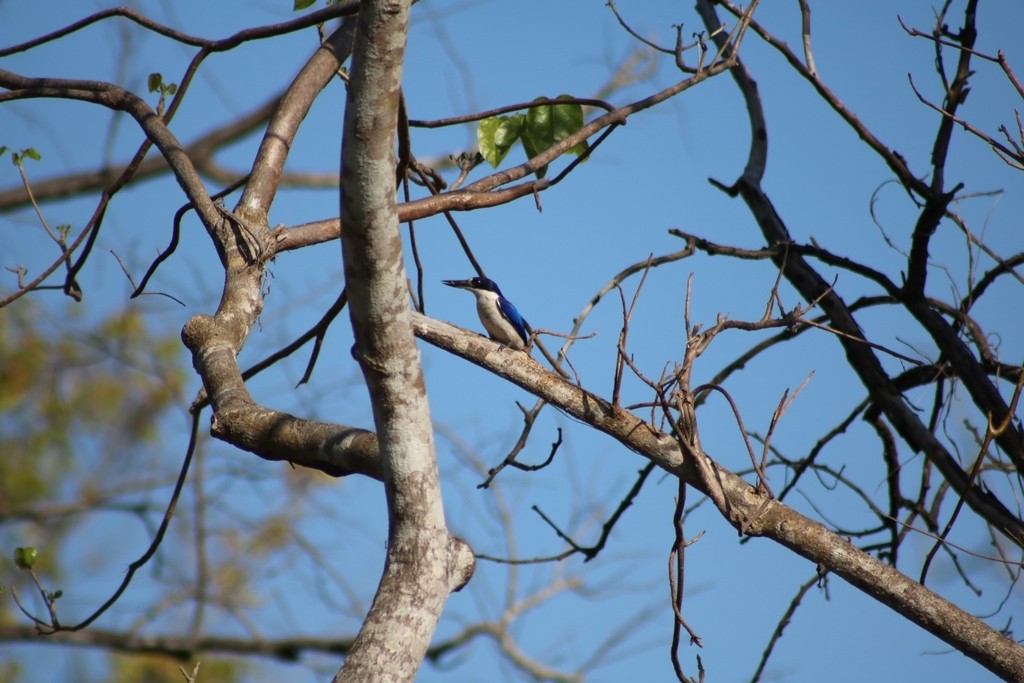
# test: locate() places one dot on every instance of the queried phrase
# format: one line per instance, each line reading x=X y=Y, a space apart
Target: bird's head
x=481 y=284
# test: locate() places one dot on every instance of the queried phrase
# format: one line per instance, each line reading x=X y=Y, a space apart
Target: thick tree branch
x=268 y=165
x=424 y=562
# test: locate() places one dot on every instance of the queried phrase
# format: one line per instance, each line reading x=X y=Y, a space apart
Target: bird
x=499 y=317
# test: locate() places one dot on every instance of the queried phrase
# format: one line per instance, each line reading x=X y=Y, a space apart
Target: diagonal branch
x=765 y=517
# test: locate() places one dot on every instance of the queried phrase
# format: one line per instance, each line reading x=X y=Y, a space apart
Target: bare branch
x=775 y=520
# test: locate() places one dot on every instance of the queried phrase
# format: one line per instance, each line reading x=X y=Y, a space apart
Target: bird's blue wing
x=512 y=316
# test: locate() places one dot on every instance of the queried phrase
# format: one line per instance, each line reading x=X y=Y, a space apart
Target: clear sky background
x=613 y=211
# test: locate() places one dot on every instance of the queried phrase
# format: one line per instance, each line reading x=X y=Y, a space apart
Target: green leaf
x=18 y=157
x=548 y=124
x=25 y=558
x=496 y=135
x=3 y=150
x=302 y=4
x=154 y=82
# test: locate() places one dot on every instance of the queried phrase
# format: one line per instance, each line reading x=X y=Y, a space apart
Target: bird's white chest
x=493 y=321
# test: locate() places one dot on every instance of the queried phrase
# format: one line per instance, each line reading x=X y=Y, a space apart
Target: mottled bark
x=424 y=563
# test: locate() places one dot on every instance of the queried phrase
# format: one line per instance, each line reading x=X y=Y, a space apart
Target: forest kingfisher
x=499 y=317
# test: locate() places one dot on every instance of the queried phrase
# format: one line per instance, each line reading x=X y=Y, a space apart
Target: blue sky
x=613 y=211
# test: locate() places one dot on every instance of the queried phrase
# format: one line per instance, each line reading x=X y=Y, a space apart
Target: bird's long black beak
x=461 y=284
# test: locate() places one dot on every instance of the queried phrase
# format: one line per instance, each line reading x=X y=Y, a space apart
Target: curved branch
x=201 y=151
x=255 y=33
x=117 y=98
x=892 y=158
x=334 y=449
x=268 y=164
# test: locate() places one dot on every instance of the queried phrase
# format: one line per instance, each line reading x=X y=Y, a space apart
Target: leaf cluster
x=544 y=124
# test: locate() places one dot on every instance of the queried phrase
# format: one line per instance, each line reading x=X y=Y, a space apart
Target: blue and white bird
x=499 y=317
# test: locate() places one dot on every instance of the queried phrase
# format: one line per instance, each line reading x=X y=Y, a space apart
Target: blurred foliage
x=97 y=391
x=93 y=426
x=9 y=670
x=162 y=670
x=81 y=405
